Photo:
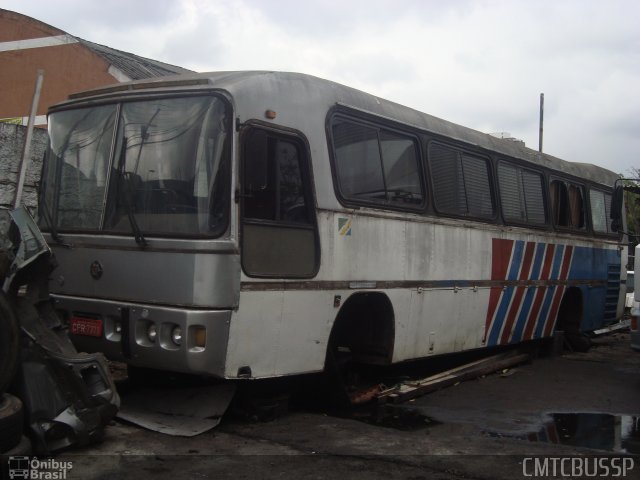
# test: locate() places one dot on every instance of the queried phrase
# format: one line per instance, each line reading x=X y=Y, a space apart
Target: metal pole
x=26 y=151
x=541 y=122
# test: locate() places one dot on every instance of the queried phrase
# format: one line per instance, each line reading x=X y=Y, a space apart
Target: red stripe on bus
x=537 y=303
x=501 y=251
x=564 y=273
x=553 y=312
x=516 y=302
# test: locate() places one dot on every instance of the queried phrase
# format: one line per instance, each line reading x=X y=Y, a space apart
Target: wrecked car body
x=68 y=397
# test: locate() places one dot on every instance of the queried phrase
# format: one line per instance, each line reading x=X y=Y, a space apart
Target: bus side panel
x=442 y=321
x=600 y=300
x=519 y=313
x=280 y=332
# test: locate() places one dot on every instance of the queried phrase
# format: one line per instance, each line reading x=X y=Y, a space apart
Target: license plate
x=89 y=327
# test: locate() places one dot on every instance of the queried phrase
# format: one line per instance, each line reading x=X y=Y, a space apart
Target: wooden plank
x=409 y=390
x=461 y=368
x=446 y=373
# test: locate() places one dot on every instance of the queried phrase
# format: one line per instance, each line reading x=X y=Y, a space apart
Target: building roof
x=133 y=66
x=28 y=32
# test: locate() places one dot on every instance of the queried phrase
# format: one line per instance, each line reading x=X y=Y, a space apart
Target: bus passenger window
x=375 y=165
x=461 y=182
x=358 y=161
x=400 y=168
x=576 y=205
x=600 y=211
x=477 y=186
x=567 y=204
x=559 y=203
x=521 y=195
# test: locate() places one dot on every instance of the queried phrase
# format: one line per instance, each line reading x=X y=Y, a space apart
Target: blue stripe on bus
x=557 y=262
x=500 y=317
x=516 y=261
x=548 y=298
x=524 y=314
x=544 y=311
x=525 y=311
x=507 y=294
x=539 y=260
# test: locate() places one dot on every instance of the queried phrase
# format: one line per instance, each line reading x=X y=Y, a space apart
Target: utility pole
x=26 y=151
x=541 y=122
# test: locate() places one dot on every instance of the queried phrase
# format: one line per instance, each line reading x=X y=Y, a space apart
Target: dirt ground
x=481 y=429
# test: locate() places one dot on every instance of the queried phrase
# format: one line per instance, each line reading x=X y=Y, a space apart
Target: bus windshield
x=157 y=166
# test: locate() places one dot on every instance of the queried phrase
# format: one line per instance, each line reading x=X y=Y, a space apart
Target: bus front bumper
x=151 y=336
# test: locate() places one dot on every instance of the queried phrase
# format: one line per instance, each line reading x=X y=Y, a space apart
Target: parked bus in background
x=260 y=224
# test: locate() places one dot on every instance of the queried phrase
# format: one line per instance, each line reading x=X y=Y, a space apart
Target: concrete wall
x=11 y=147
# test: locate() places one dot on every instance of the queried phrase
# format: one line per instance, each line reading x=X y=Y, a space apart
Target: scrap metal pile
x=51 y=396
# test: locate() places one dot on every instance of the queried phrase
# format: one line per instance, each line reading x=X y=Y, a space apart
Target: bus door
x=279 y=236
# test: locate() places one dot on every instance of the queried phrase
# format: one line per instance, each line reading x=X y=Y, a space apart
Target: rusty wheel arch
x=365 y=326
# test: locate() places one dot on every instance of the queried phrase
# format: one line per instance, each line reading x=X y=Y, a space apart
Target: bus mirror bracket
x=616 y=208
x=621 y=185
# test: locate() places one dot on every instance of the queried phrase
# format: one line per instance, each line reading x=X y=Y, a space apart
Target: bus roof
x=327 y=93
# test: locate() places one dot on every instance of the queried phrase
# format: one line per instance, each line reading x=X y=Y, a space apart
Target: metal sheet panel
x=210 y=280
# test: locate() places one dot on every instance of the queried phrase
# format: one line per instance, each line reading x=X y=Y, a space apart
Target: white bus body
x=310 y=244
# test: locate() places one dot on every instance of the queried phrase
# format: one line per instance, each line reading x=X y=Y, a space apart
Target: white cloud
x=479 y=63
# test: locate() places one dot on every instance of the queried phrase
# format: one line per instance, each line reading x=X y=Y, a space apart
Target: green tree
x=632 y=206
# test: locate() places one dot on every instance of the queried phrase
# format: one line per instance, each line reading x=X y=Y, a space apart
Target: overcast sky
x=482 y=64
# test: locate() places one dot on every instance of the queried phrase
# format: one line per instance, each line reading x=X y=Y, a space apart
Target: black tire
x=11 y=417
x=9 y=342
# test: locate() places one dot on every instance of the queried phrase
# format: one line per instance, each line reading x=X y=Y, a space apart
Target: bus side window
x=273 y=180
x=461 y=182
x=376 y=166
x=521 y=195
x=559 y=203
x=567 y=204
x=576 y=205
x=600 y=211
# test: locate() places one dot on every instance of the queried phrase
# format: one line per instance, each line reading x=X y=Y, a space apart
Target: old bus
x=250 y=224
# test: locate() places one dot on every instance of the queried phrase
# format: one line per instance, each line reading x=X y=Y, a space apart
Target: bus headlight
x=152 y=332
x=176 y=335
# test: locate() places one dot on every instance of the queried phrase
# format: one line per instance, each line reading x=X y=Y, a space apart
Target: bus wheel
x=9 y=342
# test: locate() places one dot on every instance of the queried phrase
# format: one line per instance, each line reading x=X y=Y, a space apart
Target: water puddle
x=614 y=433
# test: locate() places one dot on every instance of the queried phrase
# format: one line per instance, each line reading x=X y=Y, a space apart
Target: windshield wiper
x=125 y=177
x=43 y=207
x=49 y=221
